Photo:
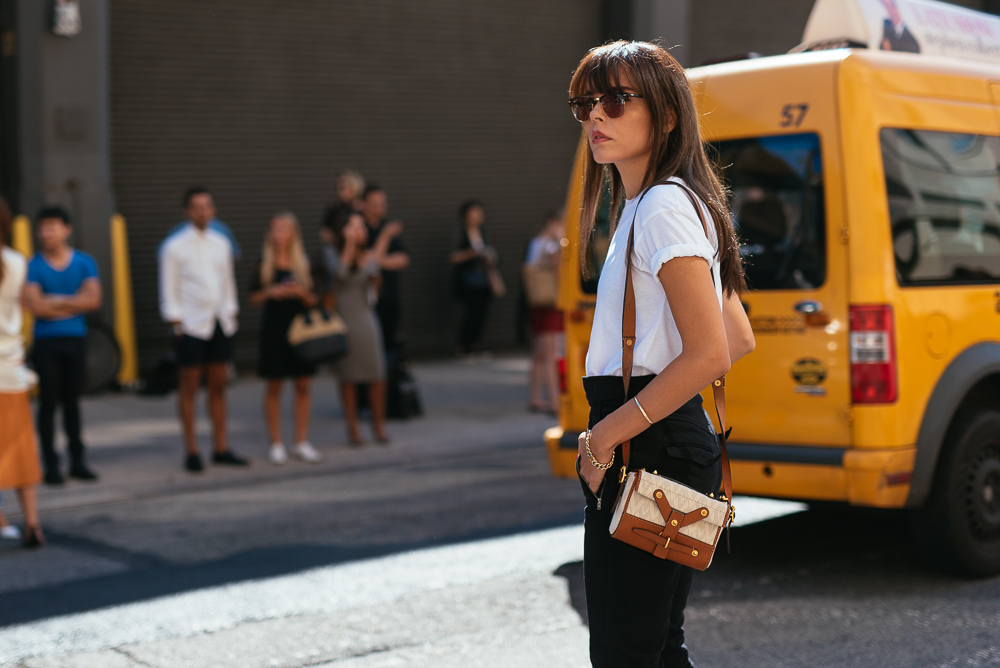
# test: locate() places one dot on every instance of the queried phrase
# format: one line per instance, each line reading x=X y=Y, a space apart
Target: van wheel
x=959 y=529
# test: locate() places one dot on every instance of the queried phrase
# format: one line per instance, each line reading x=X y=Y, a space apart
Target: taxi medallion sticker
x=809 y=374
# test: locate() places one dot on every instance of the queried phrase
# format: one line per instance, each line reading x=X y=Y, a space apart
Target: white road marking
x=362 y=585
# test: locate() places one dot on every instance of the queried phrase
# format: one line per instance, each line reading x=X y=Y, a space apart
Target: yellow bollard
x=21 y=242
x=121 y=274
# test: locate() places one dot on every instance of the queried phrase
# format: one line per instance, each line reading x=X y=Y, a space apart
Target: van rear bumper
x=878 y=478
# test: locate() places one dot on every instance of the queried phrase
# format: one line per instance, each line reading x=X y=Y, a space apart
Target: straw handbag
x=318 y=336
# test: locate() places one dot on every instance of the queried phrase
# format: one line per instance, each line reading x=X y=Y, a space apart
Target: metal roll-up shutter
x=263 y=101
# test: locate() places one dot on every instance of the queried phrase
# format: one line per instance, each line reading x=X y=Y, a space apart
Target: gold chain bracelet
x=593 y=460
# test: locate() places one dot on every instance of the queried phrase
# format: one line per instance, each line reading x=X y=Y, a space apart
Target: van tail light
x=873 y=355
x=561 y=368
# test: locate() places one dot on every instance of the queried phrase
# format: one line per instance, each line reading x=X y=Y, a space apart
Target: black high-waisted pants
x=635 y=601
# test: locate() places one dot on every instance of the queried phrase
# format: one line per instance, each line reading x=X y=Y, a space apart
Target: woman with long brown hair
x=283 y=285
x=19 y=467
x=641 y=131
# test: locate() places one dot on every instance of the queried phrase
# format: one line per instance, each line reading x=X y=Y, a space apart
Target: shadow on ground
x=152 y=579
x=824 y=551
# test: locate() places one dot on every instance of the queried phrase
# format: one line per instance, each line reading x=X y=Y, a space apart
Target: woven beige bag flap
x=688 y=533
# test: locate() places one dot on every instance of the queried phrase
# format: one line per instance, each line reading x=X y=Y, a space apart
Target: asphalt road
x=823 y=587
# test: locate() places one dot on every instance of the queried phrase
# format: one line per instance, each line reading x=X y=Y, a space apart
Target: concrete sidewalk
x=135 y=446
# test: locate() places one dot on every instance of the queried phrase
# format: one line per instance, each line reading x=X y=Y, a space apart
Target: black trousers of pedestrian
x=61 y=365
x=389 y=314
x=475 y=308
x=635 y=601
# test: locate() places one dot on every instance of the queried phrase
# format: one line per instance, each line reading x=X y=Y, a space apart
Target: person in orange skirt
x=19 y=466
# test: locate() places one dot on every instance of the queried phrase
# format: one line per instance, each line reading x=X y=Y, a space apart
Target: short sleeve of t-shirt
x=35 y=269
x=670 y=228
x=88 y=268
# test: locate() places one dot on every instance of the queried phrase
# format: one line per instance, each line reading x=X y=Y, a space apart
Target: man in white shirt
x=198 y=300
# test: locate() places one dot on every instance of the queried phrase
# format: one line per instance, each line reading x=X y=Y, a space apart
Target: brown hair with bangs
x=653 y=73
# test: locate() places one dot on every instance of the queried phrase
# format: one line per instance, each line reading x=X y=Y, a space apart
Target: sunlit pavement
x=453 y=546
x=494 y=603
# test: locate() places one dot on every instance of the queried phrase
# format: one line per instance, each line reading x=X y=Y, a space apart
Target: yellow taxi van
x=866 y=190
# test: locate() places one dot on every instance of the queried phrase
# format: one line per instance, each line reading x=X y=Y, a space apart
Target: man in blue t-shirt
x=62 y=286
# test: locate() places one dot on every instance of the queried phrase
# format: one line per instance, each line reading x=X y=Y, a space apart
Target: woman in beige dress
x=19 y=467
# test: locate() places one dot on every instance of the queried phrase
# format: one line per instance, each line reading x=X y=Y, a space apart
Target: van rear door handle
x=813 y=312
x=808 y=307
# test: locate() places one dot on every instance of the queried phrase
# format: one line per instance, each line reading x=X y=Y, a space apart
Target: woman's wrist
x=602 y=451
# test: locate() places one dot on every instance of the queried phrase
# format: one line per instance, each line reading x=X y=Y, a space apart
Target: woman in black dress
x=472 y=260
x=283 y=286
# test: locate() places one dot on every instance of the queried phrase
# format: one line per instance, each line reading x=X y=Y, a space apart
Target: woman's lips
x=598 y=138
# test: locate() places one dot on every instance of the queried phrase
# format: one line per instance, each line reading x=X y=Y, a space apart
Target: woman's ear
x=671 y=120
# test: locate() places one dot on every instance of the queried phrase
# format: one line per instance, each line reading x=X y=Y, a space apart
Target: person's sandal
x=33 y=538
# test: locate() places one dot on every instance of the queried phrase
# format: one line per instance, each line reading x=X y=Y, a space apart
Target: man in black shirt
x=375 y=206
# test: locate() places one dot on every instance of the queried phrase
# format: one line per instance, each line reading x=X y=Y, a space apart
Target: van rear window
x=943 y=192
x=778 y=208
x=777 y=203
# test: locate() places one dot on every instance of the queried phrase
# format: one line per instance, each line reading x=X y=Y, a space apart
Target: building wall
x=263 y=101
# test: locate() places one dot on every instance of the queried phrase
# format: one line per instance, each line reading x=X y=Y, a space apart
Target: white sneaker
x=307 y=453
x=10 y=532
x=277 y=455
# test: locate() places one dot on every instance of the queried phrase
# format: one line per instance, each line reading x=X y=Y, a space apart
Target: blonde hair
x=298 y=261
x=356 y=181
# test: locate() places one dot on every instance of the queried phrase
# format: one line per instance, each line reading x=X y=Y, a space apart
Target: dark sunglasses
x=612 y=103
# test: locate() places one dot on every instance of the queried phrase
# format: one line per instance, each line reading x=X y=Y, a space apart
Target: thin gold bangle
x=593 y=460
x=636 y=400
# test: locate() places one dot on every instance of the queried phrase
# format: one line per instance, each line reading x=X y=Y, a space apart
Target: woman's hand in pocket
x=592 y=476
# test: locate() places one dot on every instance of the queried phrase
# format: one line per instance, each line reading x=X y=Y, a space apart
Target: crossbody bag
x=654 y=513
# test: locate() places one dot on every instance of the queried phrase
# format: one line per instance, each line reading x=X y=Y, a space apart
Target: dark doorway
x=8 y=103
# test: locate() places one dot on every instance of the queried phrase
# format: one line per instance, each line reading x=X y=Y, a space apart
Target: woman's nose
x=597 y=113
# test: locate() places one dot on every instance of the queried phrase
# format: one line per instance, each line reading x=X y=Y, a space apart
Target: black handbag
x=317 y=336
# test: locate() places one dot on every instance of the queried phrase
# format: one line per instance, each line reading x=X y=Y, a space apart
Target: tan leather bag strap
x=628 y=341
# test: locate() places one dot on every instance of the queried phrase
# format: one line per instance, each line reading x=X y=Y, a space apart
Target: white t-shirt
x=14 y=376
x=541 y=247
x=667 y=226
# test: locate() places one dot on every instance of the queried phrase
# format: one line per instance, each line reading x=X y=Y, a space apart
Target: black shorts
x=192 y=351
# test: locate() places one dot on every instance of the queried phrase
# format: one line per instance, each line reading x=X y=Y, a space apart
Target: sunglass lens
x=614 y=104
x=581 y=107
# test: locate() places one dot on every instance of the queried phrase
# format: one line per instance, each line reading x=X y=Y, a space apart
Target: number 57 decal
x=792 y=115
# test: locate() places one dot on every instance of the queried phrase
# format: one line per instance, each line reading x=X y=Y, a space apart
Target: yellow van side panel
x=933 y=324
x=765 y=403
